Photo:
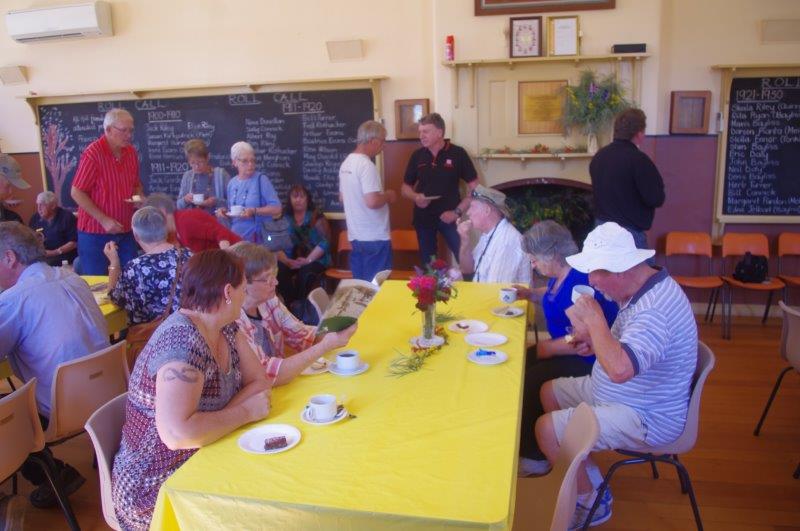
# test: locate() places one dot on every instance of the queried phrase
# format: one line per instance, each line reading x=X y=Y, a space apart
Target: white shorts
x=620 y=425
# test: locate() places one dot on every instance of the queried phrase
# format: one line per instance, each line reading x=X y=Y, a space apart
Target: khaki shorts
x=620 y=425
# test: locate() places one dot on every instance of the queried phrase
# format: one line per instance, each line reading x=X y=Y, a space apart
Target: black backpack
x=751 y=269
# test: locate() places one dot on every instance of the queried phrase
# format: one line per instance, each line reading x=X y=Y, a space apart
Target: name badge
x=448 y=163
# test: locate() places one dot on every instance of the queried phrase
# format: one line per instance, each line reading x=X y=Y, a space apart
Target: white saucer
x=312 y=370
x=13 y=202
x=508 y=311
x=420 y=342
x=468 y=326
x=498 y=357
x=132 y=200
x=485 y=339
x=343 y=413
x=333 y=368
x=252 y=441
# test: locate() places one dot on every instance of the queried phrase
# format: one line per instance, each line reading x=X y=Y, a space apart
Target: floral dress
x=145 y=283
x=143 y=461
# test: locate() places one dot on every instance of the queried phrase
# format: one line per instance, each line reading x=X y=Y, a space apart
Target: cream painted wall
x=188 y=43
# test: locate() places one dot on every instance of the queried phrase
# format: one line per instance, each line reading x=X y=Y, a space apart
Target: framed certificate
x=525 y=37
x=562 y=35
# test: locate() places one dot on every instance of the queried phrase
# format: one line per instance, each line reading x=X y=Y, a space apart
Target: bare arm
x=110 y=225
x=376 y=200
x=294 y=365
x=408 y=192
x=465 y=261
x=610 y=354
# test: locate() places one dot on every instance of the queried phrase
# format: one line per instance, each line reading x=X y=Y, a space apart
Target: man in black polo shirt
x=59 y=228
x=626 y=184
x=432 y=183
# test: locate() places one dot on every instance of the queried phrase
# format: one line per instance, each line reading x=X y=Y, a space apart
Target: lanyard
x=488 y=242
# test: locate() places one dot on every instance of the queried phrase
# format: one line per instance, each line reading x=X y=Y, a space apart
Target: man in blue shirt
x=48 y=316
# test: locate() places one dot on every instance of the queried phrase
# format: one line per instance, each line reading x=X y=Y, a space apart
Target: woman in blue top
x=251 y=196
x=548 y=244
x=202 y=179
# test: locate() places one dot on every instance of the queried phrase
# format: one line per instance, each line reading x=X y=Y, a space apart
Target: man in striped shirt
x=103 y=187
x=639 y=387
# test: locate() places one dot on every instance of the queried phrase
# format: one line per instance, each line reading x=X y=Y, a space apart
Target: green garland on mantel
x=538 y=149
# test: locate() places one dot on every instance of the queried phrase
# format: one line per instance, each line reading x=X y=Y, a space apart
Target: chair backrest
x=105 y=429
x=579 y=437
x=319 y=299
x=694 y=243
x=788 y=243
x=20 y=428
x=81 y=386
x=790 y=336
x=381 y=276
x=404 y=240
x=739 y=243
x=356 y=282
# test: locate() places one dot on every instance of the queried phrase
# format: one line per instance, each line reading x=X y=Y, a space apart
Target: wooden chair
x=105 y=429
x=790 y=351
x=338 y=273
x=669 y=452
x=81 y=386
x=21 y=439
x=404 y=241
x=696 y=244
x=554 y=495
x=788 y=245
x=736 y=245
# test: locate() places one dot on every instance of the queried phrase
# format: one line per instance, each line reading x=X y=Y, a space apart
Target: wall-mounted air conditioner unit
x=89 y=19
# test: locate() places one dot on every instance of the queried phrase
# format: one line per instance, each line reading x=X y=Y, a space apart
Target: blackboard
x=299 y=137
x=762 y=161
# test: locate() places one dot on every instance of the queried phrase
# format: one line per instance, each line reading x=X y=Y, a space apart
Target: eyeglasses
x=247 y=161
x=123 y=130
x=270 y=277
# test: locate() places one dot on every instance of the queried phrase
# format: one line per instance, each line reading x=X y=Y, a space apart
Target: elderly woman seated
x=195 y=381
x=143 y=287
x=269 y=324
x=548 y=244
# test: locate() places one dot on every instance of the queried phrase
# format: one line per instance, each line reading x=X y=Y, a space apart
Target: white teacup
x=348 y=361
x=321 y=408
x=136 y=198
x=581 y=289
x=508 y=295
x=198 y=198
x=237 y=210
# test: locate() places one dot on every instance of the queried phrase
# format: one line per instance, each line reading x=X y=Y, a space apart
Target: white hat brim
x=586 y=262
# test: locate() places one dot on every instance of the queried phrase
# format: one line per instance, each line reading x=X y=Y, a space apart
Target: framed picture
x=540 y=107
x=512 y=7
x=406 y=115
x=562 y=35
x=525 y=36
x=689 y=112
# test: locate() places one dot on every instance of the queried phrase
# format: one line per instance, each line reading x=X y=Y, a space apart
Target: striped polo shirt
x=658 y=331
x=108 y=181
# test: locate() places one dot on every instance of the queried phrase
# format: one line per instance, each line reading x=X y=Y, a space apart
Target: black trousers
x=537 y=372
x=295 y=284
x=33 y=472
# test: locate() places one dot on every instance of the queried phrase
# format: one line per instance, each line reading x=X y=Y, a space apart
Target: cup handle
x=310 y=413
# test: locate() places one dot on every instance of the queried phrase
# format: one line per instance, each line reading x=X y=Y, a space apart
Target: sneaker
x=532 y=467
x=43 y=496
x=12 y=513
x=601 y=515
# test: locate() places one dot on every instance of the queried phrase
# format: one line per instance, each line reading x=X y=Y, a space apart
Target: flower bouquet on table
x=593 y=103
x=430 y=285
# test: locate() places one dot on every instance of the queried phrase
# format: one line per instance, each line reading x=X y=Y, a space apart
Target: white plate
x=252 y=441
x=318 y=367
x=343 y=413
x=335 y=370
x=13 y=202
x=132 y=200
x=508 y=311
x=468 y=326
x=498 y=357
x=420 y=342
x=485 y=339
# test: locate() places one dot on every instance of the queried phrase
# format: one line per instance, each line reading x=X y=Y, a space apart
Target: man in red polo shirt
x=106 y=180
x=193 y=228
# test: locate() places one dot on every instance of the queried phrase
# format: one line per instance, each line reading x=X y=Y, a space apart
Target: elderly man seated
x=47 y=316
x=498 y=255
x=639 y=386
x=59 y=228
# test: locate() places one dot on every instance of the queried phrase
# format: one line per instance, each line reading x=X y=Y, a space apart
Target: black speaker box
x=629 y=48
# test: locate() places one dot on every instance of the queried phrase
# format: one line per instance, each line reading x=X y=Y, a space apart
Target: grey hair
x=256 y=258
x=549 y=240
x=149 y=225
x=240 y=148
x=45 y=198
x=161 y=202
x=21 y=241
x=370 y=130
x=113 y=115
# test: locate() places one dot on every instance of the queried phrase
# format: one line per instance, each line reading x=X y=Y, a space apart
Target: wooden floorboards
x=742 y=482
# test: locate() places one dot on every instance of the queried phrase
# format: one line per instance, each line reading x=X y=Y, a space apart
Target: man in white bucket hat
x=639 y=386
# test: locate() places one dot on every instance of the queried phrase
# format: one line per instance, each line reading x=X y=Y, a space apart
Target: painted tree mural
x=58 y=151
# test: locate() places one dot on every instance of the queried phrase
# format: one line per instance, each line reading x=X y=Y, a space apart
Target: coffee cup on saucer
x=237 y=210
x=581 y=289
x=508 y=295
x=321 y=408
x=348 y=361
x=198 y=198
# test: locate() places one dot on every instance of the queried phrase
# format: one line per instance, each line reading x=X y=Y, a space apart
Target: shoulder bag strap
x=174 y=288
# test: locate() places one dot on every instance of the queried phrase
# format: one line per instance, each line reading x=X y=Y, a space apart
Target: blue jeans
x=90 y=251
x=369 y=258
x=426 y=236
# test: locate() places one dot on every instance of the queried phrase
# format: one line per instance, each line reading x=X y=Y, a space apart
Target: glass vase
x=591 y=144
x=429 y=323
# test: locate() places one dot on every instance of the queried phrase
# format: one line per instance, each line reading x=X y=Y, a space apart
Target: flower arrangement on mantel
x=593 y=103
x=538 y=149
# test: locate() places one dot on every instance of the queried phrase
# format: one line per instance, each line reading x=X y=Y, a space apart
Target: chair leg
x=714 y=307
x=766 y=310
x=655 y=470
x=708 y=308
x=604 y=485
x=682 y=471
x=11 y=383
x=725 y=315
x=681 y=477
x=14 y=485
x=48 y=467
x=796 y=474
x=769 y=402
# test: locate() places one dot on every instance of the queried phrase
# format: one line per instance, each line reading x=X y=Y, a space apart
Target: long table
x=435 y=449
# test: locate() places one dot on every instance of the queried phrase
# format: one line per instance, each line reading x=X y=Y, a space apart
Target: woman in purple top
x=196 y=380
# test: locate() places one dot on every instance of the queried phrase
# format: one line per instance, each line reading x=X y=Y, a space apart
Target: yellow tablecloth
x=116 y=318
x=434 y=449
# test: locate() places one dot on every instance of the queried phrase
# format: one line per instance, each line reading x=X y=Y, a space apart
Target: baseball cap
x=494 y=197
x=611 y=248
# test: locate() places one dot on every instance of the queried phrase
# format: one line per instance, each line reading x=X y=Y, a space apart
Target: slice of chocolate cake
x=274 y=443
